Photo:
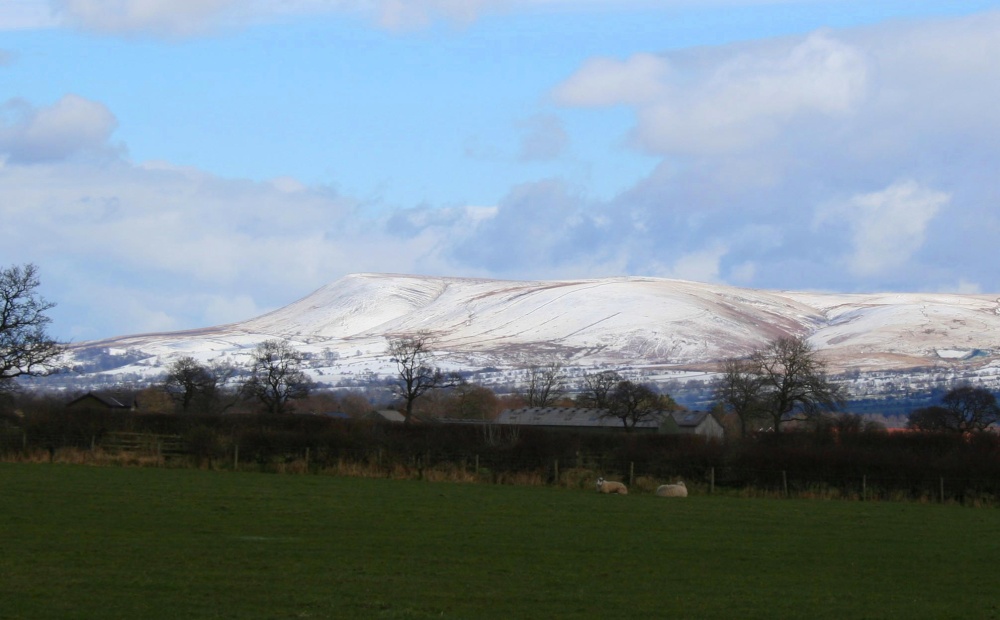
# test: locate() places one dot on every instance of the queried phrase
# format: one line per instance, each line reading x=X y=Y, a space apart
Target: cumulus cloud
x=703 y=265
x=718 y=105
x=25 y=14
x=756 y=138
x=218 y=250
x=518 y=236
x=638 y=80
x=887 y=227
x=70 y=126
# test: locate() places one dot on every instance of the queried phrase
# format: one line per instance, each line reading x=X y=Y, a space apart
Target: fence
x=707 y=468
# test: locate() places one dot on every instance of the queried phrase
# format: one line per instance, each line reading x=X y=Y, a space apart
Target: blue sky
x=172 y=164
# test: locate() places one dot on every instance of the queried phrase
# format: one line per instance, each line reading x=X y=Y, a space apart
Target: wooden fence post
x=236 y=457
x=942 y=489
x=864 y=487
x=784 y=482
x=631 y=473
x=557 y=471
x=711 y=481
x=477 y=464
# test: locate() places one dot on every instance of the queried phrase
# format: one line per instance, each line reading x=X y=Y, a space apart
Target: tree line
x=783 y=382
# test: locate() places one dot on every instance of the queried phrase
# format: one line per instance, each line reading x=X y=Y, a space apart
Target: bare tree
x=412 y=355
x=195 y=385
x=932 y=418
x=275 y=376
x=794 y=381
x=972 y=408
x=544 y=385
x=187 y=381
x=739 y=389
x=963 y=409
x=633 y=403
x=598 y=387
x=25 y=348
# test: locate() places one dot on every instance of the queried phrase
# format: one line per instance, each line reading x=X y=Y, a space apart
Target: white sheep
x=609 y=486
x=672 y=490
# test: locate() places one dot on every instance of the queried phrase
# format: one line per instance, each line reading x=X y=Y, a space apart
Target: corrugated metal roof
x=108 y=401
x=583 y=416
x=569 y=416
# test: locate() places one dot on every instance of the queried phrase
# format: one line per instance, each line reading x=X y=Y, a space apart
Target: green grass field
x=93 y=542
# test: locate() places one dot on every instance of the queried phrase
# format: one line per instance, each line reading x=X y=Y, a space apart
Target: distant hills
x=659 y=329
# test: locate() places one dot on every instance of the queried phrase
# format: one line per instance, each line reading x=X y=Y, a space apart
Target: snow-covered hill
x=654 y=324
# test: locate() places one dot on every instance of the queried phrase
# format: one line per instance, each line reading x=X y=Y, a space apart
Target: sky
x=174 y=164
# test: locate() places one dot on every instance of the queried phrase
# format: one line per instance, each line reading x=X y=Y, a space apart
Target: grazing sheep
x=672 y=490
x=608 y=486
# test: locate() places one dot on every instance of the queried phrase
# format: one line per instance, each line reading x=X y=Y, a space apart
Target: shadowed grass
x=87 y=542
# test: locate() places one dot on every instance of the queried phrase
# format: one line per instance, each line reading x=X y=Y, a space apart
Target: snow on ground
x=627 y=322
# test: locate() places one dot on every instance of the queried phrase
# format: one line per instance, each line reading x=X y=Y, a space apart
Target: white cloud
x=964 y=287
x=25 y=14
x=889 y=226
x=743 y=273
x=70 y=126
x=718 y=105
x=703 y=265
x=638 y=80
x=187 y=248
x=755 y=137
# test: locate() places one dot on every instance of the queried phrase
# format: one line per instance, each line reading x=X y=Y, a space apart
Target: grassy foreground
x=89 y=542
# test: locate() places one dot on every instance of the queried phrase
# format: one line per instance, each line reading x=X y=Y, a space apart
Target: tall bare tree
x=544 y=385
x=794 y=381
x=739 y=389
x=412 y=355
x=25 y=348
x=275 y=377
x=598 y=387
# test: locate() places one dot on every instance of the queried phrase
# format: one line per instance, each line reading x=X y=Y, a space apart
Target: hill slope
x=628 y=321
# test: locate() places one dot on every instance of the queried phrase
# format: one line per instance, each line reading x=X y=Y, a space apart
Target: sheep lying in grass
x=609 y=486
x=672 y=490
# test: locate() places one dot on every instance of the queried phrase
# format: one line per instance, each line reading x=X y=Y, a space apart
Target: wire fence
x=714 y=472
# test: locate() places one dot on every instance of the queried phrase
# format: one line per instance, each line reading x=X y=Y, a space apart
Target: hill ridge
x=624 y=321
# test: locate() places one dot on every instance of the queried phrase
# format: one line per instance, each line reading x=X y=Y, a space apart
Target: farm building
x=92 y=401
x=384 y=415
x=692 y=423
x=583 y=418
